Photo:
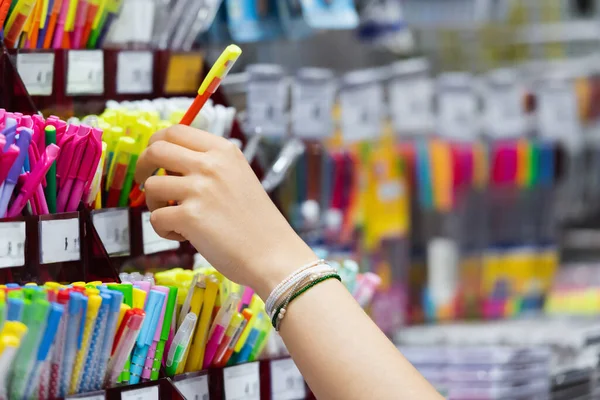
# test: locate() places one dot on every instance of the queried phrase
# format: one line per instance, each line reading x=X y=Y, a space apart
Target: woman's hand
x=221 y=208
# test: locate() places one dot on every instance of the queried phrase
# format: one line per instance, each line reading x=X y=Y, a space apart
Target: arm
x=224 y=212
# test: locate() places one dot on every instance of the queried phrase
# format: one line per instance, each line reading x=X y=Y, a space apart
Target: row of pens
x=58 y=340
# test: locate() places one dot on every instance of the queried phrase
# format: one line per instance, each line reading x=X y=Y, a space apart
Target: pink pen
x=217 y=331
x=87 y=169
x=82 y=8
x=59 y=32
x=2 y=117
x=366 y=285
x=22 y=179
x=34 y=180
x=39 y=126
x=152 y=350
x=6 y=161
x=67 y=170
x=246 y=298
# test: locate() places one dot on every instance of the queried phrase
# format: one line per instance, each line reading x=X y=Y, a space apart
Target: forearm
x=341 y=352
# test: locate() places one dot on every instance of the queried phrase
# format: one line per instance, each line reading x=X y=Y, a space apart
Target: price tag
x=242 y=382
x=411 y=103
x=558 y=117
x=134 y=72
x=505 y=111
x=146 y=393
x=59 y=240
x=37 y=72
x=112 y=226
x=312 y=109
x=457 y=114
x=85 y=73
x=12 y=244
x=152 y=242
x=287 y=382
x=194 y=388
x=184 y=73
x=362 y=112
x=266 y=101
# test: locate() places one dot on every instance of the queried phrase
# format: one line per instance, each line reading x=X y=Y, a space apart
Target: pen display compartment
x=13 y=95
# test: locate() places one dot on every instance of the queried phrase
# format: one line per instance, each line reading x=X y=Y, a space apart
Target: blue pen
x=42 y=33
x=154 y=304
x=77 y=310
x=91 y=361
x=13 y=175
x=244 y=353
x=15 y=309
x=109 y=336
x=424 y=174
x=41 y=369
x=9 y=132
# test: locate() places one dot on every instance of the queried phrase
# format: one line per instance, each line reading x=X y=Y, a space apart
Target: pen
x=93 y=307
x=230 y=333
x=168 y=325
x=92 y=358
x=219 y=326
x=139 y=298
x=151 y=357
x=180 y=343
x=196 y=352
x=58 y=348
x=15 y=303
x=123 y=344
x=50 y=190
x=118 y=169
x=244 y=354
x=82 y=176
x=94 y=196
x=261 y=341
x=185 y=308
x=153 y=309
x=77 y=310
x=112 y=322
x=16 y=21
x=7 y=159
x=11 y=344
x=127 y=290
x=221 y=360
x=13 y=175
x=145 y=131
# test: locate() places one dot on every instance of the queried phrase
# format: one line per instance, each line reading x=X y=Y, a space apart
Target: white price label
x=85 y=73
x=558 y=116
x=12 y=244
x=37 y=72
x=266 y=107
x=457 y=114
x=362 y=112
x=134 y=72
x=112 y=226
x=411 y=105
x=242 y=382
x=94 y=396
x=59 y=240
x=312 y=110
x=147 y=393
x=287 y=382
x=505 y=112
x=195 y=388
x=152 y=242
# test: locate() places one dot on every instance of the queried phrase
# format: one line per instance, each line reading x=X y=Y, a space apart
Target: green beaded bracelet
x=299 y=292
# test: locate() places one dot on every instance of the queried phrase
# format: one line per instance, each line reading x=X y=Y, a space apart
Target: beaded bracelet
x=280 y=313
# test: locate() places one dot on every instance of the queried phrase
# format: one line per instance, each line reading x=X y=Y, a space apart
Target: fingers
x=172 y=157
x=162 y=189
x=166 y=221
x=190 y=138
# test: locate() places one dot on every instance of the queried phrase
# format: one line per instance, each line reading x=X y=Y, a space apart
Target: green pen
x=166 y=331
x=261 y=341
x=180 y=343
x=144 y=131
x=35 y=315
x=127 y=290
x=50 y=189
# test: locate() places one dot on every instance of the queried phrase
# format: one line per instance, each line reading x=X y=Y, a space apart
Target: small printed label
x=287 y=382
x=411 y=105
x=152 y=242
x=134 y=72
x=59 y=240
x=457 y=115
x=195 y=388
x=112 y=226
x=362 y=112
x=505 y=112
x=37 y=72
x=266 y=107
x=147 y=393
x=12 y=244
x=184 y=73
x=85 y=72
x=242 y=382
x=312 y=109
x=558 y=116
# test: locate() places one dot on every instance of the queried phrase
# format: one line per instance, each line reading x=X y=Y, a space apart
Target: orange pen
x=52 y=23
x=4 y=7
x=32 y=37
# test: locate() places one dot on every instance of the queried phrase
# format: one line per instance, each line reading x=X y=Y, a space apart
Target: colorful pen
x=219 y=326
x=180 y=343
x=123 y=344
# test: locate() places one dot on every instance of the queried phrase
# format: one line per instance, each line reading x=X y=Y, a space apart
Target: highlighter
x=230 y=334
x=219 y=326
x=194 y=361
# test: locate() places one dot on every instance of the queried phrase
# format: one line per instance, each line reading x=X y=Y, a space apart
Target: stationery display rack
x=76 y=246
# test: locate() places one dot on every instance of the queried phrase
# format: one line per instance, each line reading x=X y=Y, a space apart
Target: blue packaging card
x=292 y=19
x=330 y=14
x=253 y=20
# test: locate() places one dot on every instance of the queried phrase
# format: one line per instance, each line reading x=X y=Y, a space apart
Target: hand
x=221 y=208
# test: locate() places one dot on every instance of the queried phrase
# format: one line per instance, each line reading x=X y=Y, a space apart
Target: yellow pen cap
x=236 y=321
x=144 y=131
x=99 y=13
x=14 y=328
x=221 y=67
x=139 y=298
x=23 y=7
x=31 y=284
x=242 y=340
x=9 y=341
x=78 y=284
x=122 y=311
x=94 y=302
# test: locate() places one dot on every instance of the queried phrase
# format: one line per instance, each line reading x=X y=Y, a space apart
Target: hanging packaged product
x=292 y=19
x=253 y=21
x=382 y=23
x=457 y=107
x=411 y=97
x=196 y=20
x=313 y=92
x=330 y=14
x=267 y=100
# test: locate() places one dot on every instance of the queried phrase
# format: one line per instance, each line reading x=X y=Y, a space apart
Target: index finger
x=190 y=138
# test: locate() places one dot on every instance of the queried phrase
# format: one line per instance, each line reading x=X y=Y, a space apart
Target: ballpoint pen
x=93 y=307
x=222 y=359
x=232 y=329
x=77 y=311
x=24 y=137
x=11 y=344
x=50 y=189
x=58 y=349
x=168 y=325
x=180 y=343
x=95 y=194
x=51 y=24
x=244 y=354
x=34 y=181
x=15 y=304
x=255 y=308
x=67 y=168
x=219 y=326
x=196 y=352
x=109 y=336
x=85 y=173
x=92 y=357
x=154 y=306
x=151 y=357
x=188 y=300
x=35 y=317
x=124 y=341
x=127 y=290
x=7 y=160
x=54 y=316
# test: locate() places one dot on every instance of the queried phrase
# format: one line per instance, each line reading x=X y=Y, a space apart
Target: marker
x=118 y=170
x=234 y=326
x=123 y=344
x=77 y=311
x=168 y=325
x=196 y=355
x=219 y=326
x=180 y=343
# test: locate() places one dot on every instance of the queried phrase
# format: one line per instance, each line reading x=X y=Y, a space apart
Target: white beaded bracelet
x=277 y=290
